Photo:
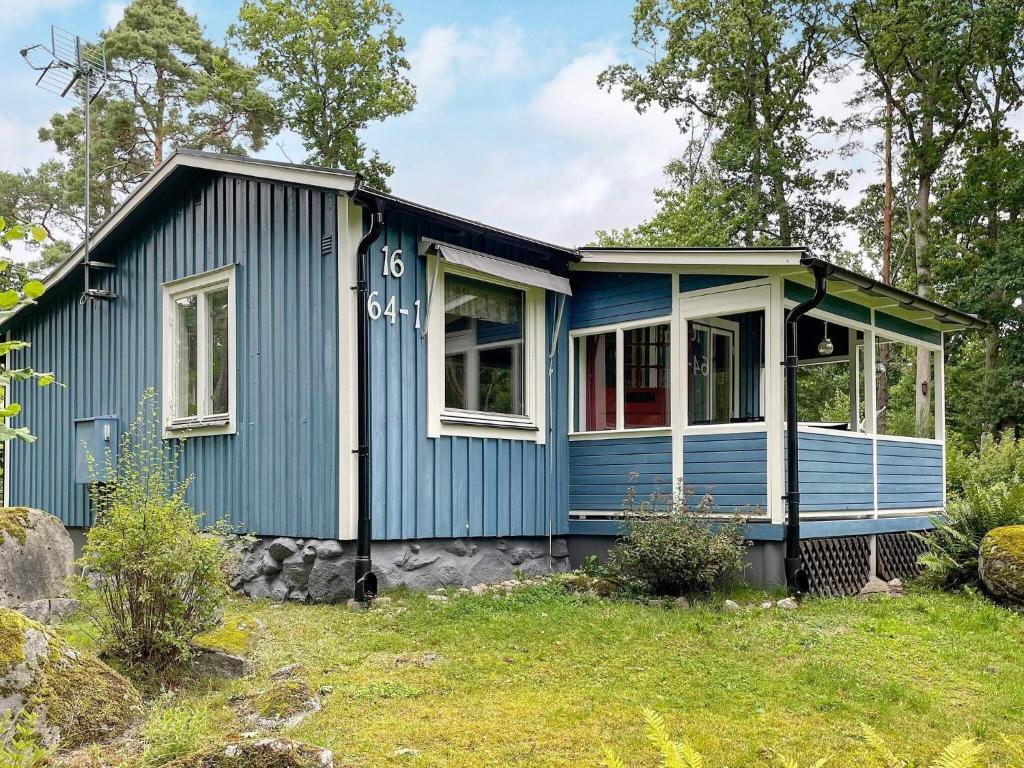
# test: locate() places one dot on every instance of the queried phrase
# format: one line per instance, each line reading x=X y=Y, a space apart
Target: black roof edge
x=522 y=241
x=941 y=312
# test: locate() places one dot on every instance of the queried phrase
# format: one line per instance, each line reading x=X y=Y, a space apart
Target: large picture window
x=198 y=353
x=483 y=347
x=624 y=378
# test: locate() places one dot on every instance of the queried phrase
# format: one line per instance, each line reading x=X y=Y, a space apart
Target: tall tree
x=336 y=67
x=169 y=86
x=747 y=68
x=924 y=56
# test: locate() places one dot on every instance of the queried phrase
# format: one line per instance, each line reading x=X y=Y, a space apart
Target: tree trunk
x=923 y=379
x=882 y=356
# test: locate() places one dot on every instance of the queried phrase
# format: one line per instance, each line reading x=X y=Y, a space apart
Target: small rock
x=269 y=565
x=381 y=601
x=406 y=752
x=478 y=589
x=282 y=548
x=875 y=586
x=356 y=606
x=460 y=548
x=308 y=553
x=295 y=569
x=437 y=598
x=328 y=549
x=787 y=604
x=767 y=605
x=222 y=665
x=681 y=602
x=286 y=671
x=731 y=605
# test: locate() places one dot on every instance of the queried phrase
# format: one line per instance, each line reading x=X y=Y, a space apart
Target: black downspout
x=365 y=580
x=796 y=576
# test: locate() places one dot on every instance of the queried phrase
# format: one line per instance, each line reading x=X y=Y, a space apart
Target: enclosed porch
x=687 y=383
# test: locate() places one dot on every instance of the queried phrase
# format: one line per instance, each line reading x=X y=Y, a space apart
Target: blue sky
x=510 y=129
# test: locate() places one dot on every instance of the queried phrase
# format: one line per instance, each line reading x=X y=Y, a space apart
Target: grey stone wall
x=322 y=570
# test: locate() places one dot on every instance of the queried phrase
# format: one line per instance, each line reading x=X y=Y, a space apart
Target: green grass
x=548 y=679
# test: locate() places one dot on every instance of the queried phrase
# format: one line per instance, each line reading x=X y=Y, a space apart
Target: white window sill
x=199 y=427
x=607 y=434
x=455 y=423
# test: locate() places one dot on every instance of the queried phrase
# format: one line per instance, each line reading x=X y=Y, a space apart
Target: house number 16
x=376 y=307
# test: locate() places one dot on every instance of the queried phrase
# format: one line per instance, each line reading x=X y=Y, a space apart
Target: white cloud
x=447 y=56
x=112 y=14
x=566 y=159
x=19 y=146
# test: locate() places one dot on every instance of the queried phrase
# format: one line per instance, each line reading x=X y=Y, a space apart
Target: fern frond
x=657 y=734
x=962 y=752
x=691 y=758
x=1016 y=750
x=879 y=749
x=611 y=760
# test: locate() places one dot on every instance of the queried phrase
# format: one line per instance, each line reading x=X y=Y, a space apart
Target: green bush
x=671 y=546
x=952 y=557
x=999 y=459
x=157 y=573
x=962 y=752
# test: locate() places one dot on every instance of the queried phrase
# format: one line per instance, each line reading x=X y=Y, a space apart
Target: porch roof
x=794 y=264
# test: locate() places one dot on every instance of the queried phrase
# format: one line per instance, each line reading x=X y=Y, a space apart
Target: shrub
x=999 y=459
x=157 y=573
x=952 y=557
x=673 y=547
x=962 y=752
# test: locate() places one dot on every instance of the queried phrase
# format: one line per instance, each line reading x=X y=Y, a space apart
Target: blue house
x=356 y=375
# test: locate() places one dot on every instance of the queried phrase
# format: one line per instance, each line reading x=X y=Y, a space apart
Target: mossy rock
x=261 y=753
x=283 y=699
x=1001 y=563
x=36 y=556
x=602 y=586
x=76 y=698
x=235 y=635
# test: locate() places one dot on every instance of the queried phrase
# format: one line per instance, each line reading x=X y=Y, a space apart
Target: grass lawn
x=547 y=679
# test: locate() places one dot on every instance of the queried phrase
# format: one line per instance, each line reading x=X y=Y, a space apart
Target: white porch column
x=774 y=400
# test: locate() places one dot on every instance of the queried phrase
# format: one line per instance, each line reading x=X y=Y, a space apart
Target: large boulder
x=1001 y=563
x=76 y=698
x=36 y=556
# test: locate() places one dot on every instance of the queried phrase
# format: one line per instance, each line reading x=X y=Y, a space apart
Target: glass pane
x=483 y=346
x=500 y=390
x=455 y=381
x=699 y=364
x=646 y=376
x=721 y=365
x=186 y=357
x=217 y=310
x=600 y=381
x=904 y=394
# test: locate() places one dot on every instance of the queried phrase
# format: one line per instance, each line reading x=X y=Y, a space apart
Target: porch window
x=199 y=352
x=483 y=353
x=624 y=378
x=725 y=368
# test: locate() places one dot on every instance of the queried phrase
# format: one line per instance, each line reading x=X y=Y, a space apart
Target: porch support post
x=796 y=576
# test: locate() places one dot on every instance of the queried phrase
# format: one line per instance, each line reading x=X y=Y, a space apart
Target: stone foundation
x=322 y=570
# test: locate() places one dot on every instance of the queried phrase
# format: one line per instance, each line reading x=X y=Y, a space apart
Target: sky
x=510 y=127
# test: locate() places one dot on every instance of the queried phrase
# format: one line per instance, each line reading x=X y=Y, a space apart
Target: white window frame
x=444 y=421
x=203 y=423
x=578 y=365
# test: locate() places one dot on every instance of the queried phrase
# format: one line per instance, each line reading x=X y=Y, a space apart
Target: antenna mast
x=71 y=66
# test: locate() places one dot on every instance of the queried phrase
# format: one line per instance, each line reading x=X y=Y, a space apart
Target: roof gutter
x=907 y=300
x=365 y=586
x=796 y=577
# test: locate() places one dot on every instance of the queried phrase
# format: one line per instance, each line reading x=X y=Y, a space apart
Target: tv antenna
x=72 y=67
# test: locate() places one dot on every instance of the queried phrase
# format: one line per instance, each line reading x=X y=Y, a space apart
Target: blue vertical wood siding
x=601 y=298
x=279 y=473
x=835 y=473
x=909 y=475
x=733 y=468
x=444 y=487
x=602 y=471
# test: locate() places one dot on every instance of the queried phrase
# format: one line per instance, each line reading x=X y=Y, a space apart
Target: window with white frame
x=486 y=343
x=199 y=353
x=624 y=378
